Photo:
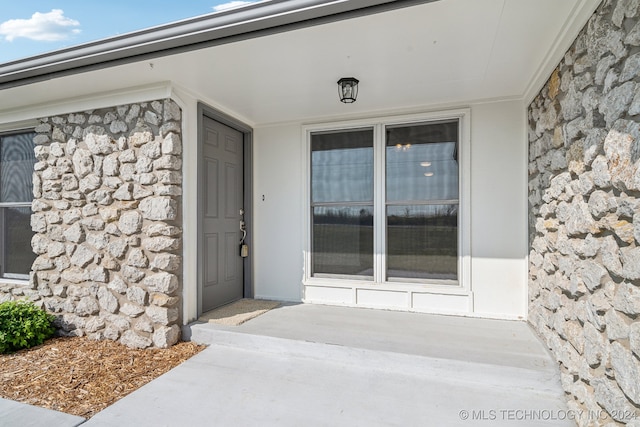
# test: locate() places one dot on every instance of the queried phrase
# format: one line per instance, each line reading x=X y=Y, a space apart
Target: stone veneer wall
x=584 y=194
x=106 y=217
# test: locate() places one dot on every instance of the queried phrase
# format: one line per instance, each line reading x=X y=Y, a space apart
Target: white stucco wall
x=498 y=213
x=278 y=212
x=499 y=209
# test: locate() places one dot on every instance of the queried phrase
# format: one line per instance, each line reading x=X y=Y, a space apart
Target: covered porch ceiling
x=445 y=52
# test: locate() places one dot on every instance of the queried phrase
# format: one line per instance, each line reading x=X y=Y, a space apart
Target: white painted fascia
x=18 y=125
x=95 y=101
x=578 y=17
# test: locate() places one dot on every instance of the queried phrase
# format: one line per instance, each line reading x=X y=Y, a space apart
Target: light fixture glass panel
x=348 y=89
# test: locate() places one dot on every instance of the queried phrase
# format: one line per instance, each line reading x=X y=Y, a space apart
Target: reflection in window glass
x=422 y=241
x=342 y=166
x=343 y=240
x=422 y=201
x=419 y=179
x=422 y=162
x=17 y=160
x=17 y=236
x=342 y=202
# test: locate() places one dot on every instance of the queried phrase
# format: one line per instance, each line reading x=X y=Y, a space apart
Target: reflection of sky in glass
x=422 y=172
x=342 y=175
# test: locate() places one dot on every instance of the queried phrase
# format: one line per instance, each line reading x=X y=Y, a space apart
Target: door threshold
x=238 y=312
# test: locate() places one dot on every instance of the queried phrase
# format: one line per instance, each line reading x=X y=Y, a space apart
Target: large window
x=385 y=201
x=16 y=194
x=342 y=202
x=422 y=201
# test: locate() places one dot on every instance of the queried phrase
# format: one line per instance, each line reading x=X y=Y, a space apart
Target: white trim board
x=578 y=18
x=93 y=101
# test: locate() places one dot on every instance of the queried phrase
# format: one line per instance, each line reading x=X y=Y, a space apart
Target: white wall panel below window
x=382 y=298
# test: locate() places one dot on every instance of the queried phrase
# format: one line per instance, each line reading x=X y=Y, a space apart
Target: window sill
x=14 y=281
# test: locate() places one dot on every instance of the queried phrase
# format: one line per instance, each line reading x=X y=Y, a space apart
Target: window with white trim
x=17 y=161
x=384 y=202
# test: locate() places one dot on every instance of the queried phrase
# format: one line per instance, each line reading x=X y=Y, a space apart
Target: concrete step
x=539 y=381
x=250 y=376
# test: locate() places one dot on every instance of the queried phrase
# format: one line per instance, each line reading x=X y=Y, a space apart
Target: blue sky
x=31 y=27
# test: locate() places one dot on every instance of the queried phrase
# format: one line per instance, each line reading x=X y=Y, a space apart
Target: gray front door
x=223 y=197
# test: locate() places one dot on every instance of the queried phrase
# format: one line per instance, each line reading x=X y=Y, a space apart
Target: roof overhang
x=279 y=61
x=260 y=19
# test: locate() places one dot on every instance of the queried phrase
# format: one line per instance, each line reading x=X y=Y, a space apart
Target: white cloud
x=51 y=26
x=231 y=5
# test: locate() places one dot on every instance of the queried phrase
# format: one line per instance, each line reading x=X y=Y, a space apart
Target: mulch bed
x=81 y=376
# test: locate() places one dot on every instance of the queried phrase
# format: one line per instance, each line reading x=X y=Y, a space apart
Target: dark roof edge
x=208 y=30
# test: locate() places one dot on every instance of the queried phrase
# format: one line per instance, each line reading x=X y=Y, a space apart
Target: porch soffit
x=253 y=20
x=447 y=52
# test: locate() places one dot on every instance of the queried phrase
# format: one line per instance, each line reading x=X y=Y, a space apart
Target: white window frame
x=460 y=287
x=26 y=126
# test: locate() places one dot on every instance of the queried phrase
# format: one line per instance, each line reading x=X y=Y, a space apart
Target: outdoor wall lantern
x=348 y=89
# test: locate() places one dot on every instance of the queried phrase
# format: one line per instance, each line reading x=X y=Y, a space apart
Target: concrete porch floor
x=317 y=365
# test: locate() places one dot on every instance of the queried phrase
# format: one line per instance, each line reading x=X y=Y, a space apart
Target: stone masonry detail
x=106 y=221
x=584 y=201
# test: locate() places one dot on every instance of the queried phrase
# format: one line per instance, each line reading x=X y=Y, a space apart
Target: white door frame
x=247 y=132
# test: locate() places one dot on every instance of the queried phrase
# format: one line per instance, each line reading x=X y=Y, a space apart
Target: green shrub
x=23 y=325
